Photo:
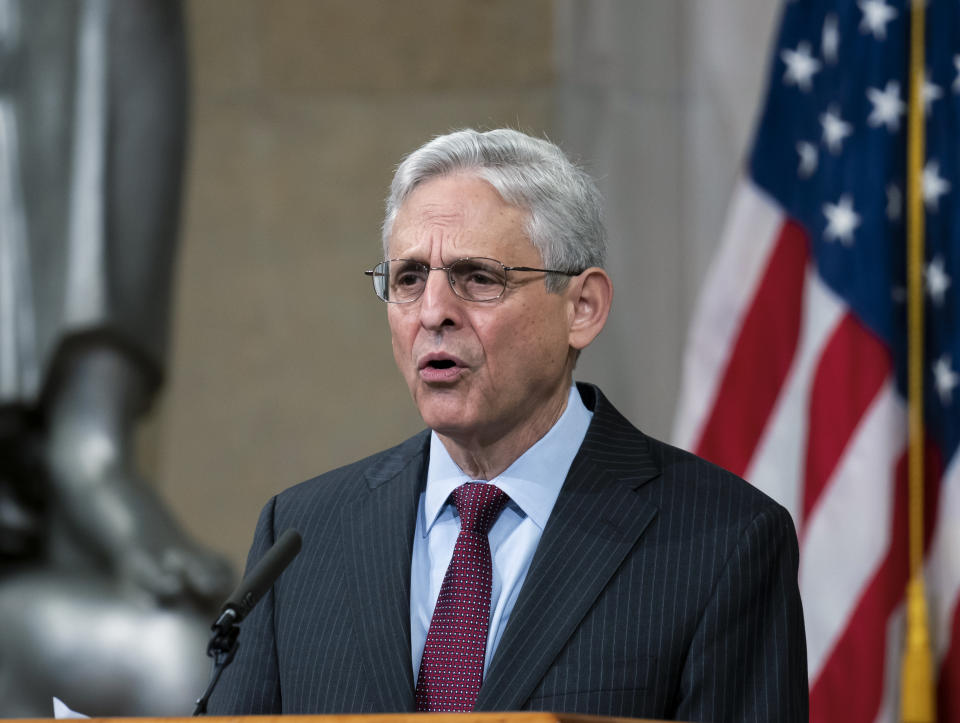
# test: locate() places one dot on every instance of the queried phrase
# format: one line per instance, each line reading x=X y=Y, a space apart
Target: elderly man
x=531 y=549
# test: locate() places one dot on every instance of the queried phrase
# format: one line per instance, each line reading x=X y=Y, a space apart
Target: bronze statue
x=104 y=601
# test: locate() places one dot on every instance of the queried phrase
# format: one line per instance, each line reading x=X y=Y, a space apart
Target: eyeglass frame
x=372 y=272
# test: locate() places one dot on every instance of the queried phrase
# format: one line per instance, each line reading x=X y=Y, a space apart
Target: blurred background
x=300 y=109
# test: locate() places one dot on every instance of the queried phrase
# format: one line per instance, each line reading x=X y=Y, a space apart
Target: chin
x=447 y=424
x=444 y=417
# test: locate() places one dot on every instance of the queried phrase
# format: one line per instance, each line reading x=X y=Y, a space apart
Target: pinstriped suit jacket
x=662 y=587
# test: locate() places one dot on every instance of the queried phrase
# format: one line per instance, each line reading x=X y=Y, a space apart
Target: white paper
x=61 y=710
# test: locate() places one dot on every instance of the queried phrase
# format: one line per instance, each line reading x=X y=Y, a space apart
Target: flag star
x=801 y=66
x=934 y=185
x=945 y=379
x=931 y=93
x=830 y=39
x=841 y=220
x=887 y=106
x=876 y=15
x=894 y=202
x=835 y=129
x=937 y=280
x=808 y=159
x=956 y=82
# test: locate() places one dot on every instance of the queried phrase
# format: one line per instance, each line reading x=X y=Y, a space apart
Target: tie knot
x=478 y=505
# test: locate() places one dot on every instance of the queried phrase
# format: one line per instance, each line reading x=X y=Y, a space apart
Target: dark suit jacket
x=663 y=586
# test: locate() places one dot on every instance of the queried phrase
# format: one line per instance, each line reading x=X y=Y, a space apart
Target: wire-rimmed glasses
x=402 y=281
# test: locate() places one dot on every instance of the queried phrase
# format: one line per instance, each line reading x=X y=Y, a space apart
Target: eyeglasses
x=401 y=281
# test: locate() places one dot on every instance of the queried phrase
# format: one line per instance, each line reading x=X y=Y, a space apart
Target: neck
x=483 y=460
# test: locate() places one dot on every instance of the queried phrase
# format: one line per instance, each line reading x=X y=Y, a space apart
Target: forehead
x=459 y=215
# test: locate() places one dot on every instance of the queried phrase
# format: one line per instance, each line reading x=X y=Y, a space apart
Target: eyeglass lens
x=474 y=279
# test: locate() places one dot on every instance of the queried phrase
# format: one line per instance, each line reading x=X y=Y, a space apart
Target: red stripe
x=770 y=330
x=849 y=688
x=948 y=686
x=851 y=372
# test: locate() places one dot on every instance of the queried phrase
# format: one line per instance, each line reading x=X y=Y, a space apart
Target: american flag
x=796 y=366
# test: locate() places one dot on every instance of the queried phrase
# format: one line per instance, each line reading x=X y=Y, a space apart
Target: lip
x=429 y=373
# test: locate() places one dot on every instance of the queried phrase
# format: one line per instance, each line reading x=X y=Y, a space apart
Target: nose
x=439 y=306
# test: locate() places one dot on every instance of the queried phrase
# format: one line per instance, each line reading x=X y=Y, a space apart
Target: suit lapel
x=377 y=536
x=594 y=525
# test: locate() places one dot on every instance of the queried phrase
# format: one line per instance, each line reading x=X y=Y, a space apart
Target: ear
x=591 y=294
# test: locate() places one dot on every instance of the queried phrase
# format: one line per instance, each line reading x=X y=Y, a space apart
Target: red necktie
x=451 y=669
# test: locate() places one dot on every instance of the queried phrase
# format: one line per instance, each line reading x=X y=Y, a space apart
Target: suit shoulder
x=350 y=478
x=682 y=478
x=680 y=467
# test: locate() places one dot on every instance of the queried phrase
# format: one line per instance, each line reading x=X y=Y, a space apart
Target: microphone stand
x=222 y=648
x=223 y=644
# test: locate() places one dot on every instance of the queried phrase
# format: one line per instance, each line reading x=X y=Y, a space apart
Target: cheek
x=400 y=336
x=528 y=345
x=397 y=351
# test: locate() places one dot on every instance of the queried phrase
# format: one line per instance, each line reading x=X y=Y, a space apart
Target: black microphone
x=255 y=585
x=223 y=645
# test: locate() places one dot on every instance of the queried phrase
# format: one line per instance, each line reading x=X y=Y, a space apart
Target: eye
x=407 y=274
x=408 y=278
x=478 y=279
x=477 y=271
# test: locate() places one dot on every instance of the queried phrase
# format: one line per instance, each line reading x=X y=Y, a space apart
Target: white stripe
x=752 y=228
x=848 y=533
x=777 y=465
x=943 y=563
x=890 y=698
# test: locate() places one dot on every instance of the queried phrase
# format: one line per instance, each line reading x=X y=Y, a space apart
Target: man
x=532 y=549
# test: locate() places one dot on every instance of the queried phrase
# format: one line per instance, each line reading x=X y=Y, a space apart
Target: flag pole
x=916 y=682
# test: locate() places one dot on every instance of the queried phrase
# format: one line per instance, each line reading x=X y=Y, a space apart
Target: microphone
x=255 y=585
x=223 y=645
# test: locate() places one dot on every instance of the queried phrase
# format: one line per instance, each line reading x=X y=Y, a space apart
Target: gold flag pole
x=916 y=682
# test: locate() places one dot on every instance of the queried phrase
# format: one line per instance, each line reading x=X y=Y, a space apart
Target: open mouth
x=440 y=367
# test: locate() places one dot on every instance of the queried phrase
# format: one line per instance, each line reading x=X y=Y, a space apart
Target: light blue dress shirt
x=532 y=482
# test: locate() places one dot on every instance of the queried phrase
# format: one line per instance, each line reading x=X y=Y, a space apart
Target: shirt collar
x=534 y=479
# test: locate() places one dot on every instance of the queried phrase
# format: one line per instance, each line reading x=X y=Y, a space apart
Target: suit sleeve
x=251 y=683
x=747 y=660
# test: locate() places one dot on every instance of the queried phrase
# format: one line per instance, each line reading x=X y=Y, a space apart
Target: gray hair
x=564 y=221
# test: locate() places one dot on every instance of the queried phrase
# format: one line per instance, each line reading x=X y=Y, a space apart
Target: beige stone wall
x=281 y=363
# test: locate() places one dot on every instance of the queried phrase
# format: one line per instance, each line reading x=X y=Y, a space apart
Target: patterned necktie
x=451 y=669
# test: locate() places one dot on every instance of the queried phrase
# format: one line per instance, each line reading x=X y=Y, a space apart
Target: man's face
x=478 y=371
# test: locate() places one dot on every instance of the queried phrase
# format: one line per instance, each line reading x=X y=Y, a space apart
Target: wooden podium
x=383 y=718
